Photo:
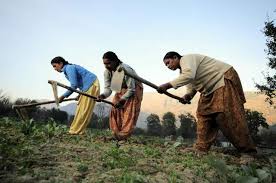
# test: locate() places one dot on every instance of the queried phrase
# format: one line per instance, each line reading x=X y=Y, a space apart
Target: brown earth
x=46 y=153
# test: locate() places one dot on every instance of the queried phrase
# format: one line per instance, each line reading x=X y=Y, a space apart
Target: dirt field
x=31 y=152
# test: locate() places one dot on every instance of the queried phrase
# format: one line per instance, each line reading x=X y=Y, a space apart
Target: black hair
x=112 y=57
x=172 y=54
x=59 y=60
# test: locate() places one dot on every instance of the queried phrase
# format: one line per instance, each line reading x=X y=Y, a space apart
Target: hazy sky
x=140 y=32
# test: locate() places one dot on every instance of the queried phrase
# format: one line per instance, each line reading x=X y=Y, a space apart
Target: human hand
x=120 y=103
x=163 y=88
x=101 y=97
x=60 y=99
x=78 y=97
x=186 y=99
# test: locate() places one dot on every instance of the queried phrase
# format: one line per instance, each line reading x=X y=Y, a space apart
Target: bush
x=5 y=105
x=153 y=125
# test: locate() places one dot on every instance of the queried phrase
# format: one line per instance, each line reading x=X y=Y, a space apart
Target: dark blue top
x=78 y=77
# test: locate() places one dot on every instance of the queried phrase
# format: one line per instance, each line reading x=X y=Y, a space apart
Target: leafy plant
x=28 y=127
x=117 y=158
x=151 y=152
x=218 y=164
x=254 y=175
x=131 y=178
x=82 y=167
x=247 y=179
x=173 y=177
x=52 y=128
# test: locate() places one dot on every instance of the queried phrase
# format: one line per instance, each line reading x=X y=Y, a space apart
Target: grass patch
x=43 y=151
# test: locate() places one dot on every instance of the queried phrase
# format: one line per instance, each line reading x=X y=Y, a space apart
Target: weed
x=152 y=152
x=27 y=127
x=251 y=171
x=173 y=177
x=131 y=178
x=42 y=152
x=218 y=164
x=52 y=129
x=117 y=158
x=82 y=168
x=248 y=173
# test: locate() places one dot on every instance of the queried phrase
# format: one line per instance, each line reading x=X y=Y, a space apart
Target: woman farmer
x=127 y=100
x=221 y=103
x=87 y=82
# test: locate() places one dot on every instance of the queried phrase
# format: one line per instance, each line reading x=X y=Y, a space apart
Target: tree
x=168 y=124
x=102 y=112
x=153 y=125
x=28 y=112
x=105 y=122
x=94 y=122
x=36 y=113
x=59 y=115
x=138 y=131
x=188 y=126
x=255 y=120
x=268 y=136
x=5 y=105
x=97 y=122
x=269 y=87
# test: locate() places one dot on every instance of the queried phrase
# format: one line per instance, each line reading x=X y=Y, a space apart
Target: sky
x=140 y=32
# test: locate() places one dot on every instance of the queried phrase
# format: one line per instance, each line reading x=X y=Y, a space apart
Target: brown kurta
x=123 y=121
x=223 y=109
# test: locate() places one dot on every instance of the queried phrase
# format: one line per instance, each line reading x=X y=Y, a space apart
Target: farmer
x=127 y=100
x=87 y=82
x=221 y=102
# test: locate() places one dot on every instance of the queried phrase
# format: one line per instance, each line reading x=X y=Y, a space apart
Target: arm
x=71 y=72
x=130 y=88
x=190 y=92
x=130 y=82
x=188 y=72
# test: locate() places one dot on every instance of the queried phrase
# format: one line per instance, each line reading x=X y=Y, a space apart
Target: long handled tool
x=55 y=83
x=40 y=103
x=138 y=78
x=21 y=108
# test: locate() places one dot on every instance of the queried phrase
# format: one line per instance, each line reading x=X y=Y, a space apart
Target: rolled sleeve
x=130 y=82
x=183 y=79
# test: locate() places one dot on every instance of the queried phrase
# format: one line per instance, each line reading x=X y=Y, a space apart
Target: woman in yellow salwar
x=87 y=82
x=127 y=100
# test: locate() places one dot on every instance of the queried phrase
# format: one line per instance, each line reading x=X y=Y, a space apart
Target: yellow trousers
x=84 y=109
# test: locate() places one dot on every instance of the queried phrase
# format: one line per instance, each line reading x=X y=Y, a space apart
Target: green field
x=44 y=152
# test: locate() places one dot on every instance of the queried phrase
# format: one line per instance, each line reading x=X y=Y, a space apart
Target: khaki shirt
x=201 y=74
